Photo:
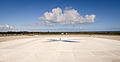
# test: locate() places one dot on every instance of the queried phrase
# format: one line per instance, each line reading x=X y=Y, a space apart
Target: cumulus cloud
x=67 y=16
x=6 y=27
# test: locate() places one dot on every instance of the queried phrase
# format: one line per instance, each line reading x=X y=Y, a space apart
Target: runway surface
x=57 y=48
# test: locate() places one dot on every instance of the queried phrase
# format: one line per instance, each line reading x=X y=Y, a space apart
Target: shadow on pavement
x=54 y=40
x=70 y=41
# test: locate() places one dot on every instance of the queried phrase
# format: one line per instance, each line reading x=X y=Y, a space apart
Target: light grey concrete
x=68 y=49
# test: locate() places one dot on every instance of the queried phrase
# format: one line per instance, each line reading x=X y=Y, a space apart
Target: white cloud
x=46 y=23
x=6 y=27
x=81 y=27
x=68 y=16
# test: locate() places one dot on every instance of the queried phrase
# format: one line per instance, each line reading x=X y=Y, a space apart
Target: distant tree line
x=55 y=33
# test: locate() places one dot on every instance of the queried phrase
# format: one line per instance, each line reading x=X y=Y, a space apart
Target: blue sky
x=23 y=12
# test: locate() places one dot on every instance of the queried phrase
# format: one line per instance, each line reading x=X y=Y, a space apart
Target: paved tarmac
x=57 y=48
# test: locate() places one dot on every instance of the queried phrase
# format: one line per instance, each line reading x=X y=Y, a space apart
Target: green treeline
x=57 y=33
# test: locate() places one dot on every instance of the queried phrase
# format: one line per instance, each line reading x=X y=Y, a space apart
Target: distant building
x=64 y=33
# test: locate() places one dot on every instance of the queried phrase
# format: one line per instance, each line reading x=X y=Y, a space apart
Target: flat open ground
x=70 y=48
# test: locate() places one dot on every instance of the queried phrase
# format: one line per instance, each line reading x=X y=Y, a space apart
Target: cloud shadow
x=71 y=41
x=54 y=40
